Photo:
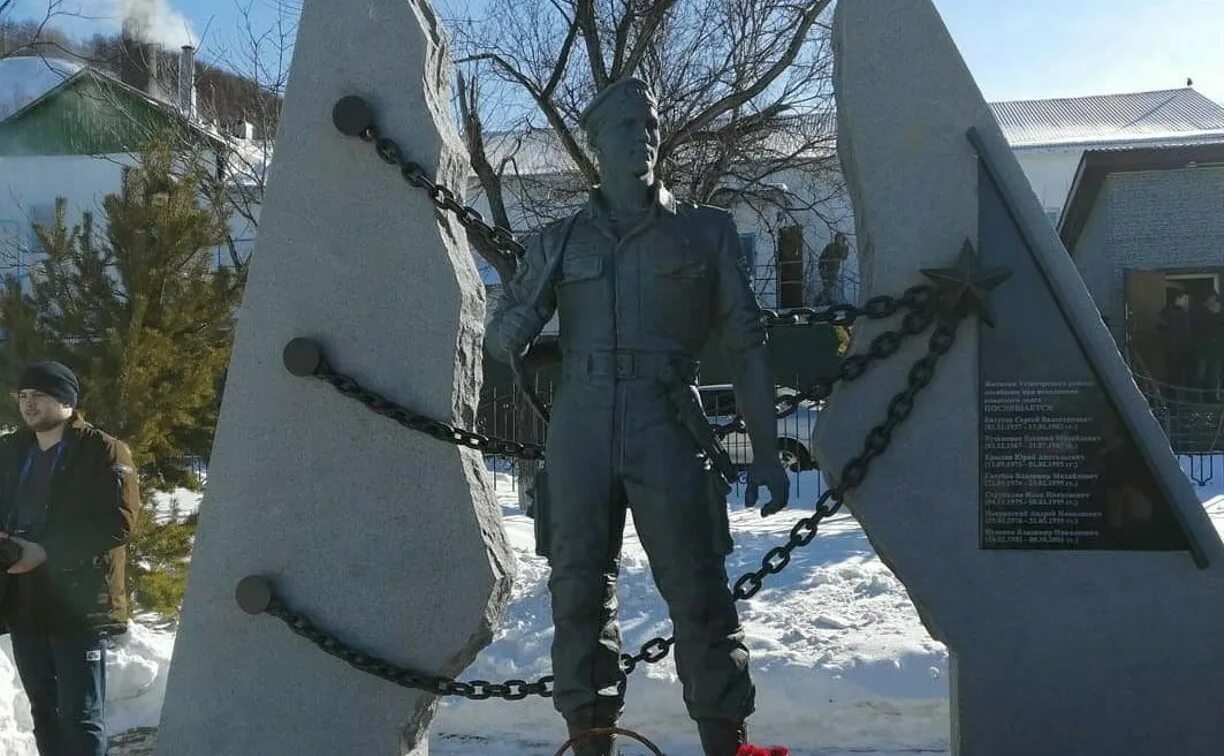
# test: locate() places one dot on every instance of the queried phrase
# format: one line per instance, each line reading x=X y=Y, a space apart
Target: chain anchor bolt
x=254 y=594
x=352 y=115
x=303 y=357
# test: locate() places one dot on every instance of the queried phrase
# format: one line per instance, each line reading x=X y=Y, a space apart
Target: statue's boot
x=721 y=737
x=592 y=745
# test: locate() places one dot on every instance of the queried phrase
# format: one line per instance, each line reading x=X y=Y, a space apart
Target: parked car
x=794 y=430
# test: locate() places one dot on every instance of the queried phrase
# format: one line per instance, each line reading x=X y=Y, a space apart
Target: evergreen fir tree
x=145 y=317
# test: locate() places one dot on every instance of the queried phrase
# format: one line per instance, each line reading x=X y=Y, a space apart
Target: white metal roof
x=23 y=79
x=1170 y=116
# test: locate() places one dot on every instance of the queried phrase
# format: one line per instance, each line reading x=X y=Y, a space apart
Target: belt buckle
x=626 y=365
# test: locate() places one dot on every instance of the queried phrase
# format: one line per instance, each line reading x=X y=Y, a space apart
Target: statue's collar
x=662 y=199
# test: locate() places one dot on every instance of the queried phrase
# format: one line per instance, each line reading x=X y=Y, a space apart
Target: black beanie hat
x=54 y=380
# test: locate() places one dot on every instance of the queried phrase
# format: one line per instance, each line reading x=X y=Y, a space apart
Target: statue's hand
x=768 y=472
x=512 y=332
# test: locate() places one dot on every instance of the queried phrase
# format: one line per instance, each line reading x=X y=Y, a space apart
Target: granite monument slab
x=1031 y=504
x=390 y=539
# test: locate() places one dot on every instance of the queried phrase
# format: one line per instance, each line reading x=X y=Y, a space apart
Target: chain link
x=915 y=299
x=855 y=469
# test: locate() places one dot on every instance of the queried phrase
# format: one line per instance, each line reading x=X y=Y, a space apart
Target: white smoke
x=155 y=21
x=147 y=20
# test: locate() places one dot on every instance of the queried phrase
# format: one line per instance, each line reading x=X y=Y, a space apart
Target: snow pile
x=136 y=669
x=176 y=505
x=23 y=79
x=837 y=649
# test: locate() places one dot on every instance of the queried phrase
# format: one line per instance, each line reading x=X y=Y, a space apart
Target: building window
x=790 y=266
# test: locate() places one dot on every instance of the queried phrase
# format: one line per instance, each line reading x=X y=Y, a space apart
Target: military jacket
x=673 y=281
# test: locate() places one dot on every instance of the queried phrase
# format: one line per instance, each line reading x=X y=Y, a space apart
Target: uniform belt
x=627 y=365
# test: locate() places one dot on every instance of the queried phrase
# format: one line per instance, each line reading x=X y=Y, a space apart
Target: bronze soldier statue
x=640 y=283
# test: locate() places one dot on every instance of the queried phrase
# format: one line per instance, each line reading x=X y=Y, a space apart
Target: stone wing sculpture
x=1030 y=504
x=391 y=539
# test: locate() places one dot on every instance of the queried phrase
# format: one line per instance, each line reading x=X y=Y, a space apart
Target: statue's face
x=628 y=142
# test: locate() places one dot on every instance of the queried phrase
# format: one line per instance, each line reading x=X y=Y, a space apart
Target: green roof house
x=68 y=130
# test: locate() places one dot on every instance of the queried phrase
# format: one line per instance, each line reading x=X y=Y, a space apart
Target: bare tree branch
x=562 y=62
x=742 y=96
x=646 y=34
x=585 y=20
x=550 y=112
x=469 y=102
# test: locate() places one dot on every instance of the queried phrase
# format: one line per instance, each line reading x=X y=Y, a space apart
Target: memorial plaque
x=1059 y=469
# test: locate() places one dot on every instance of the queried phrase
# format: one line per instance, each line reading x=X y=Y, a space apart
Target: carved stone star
x=965 y=289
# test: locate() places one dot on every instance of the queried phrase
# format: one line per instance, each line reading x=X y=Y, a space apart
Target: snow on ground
x=177 y=504
x=841 y=662
x=836 y=647
x=136 y=669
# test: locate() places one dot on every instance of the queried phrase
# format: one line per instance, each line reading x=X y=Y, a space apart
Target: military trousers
x=614 y=445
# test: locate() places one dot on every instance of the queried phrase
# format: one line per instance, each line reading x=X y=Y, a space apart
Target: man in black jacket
x=68 y=499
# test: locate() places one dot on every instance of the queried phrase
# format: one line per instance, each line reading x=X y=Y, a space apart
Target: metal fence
x=782 y=285
x=1192 y=418
x=505 y=413
x=1203 y=468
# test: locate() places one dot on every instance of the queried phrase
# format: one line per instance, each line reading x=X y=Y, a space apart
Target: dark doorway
x=790 y=266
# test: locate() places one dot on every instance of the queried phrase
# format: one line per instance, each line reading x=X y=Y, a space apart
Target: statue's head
x=622 y=125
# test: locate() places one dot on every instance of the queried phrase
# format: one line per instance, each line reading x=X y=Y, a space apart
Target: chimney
x=186 y=82
x=138 y=63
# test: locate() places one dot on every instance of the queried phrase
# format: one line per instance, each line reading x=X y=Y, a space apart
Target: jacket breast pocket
x=581 y=283
x=576 y=269
x=677 y=292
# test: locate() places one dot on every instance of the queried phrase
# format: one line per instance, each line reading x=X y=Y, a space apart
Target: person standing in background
x=831 y=259
x=1207 y=334
x=69 y=497
x=1174 y=328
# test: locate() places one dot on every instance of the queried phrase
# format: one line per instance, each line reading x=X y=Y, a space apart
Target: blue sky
x=1017 y=49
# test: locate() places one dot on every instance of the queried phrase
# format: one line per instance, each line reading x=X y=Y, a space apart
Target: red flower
x=752 y=750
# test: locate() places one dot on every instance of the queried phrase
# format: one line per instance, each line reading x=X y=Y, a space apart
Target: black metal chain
x=444 y=198
x=804 y=531
x=442 y=431
x=853 y=474
x=354 y=117
x=304 y=358
x=921 y=302
x=257 y=595
x=843 y=314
